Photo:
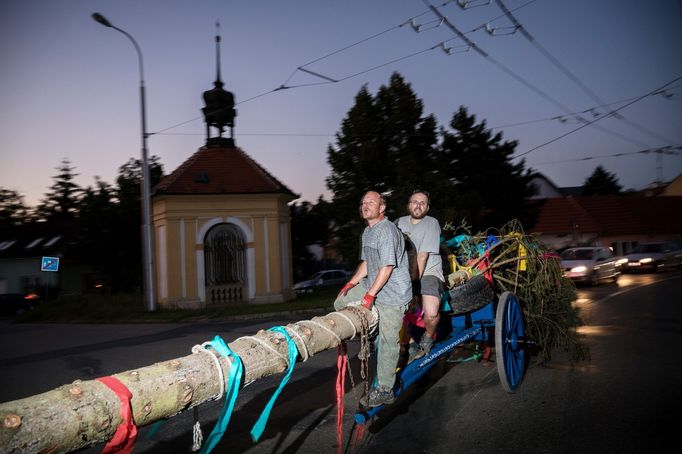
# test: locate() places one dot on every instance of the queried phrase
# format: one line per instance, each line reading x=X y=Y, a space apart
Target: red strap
x=484 y=265
x=359 y=435
x=126 y=433
x=341 y=362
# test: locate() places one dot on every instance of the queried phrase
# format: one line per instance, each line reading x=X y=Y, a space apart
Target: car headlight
x=622 y=261
x=579 y=269
x=646 y=260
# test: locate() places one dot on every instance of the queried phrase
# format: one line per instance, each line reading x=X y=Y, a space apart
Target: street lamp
x=148 y=273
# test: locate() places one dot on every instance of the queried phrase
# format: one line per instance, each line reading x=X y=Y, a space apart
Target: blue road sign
x=49 y=264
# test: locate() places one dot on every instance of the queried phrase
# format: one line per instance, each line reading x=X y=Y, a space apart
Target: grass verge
x=130 y=309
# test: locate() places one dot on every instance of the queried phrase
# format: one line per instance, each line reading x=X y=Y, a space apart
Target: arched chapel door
x=224 y=264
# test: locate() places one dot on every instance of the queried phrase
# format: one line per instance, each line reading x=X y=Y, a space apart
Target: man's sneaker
x=414 y=351
x=426 y=343
x=381 y=395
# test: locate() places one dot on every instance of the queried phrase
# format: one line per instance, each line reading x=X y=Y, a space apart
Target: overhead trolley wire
x=520 y=79
x=526 y=34
x=669 y=150
x=598 y=118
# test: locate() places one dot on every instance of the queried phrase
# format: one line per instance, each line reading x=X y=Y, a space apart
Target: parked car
x=589 y=265
x=654 y=256
x=326 y=278
x=17 y=303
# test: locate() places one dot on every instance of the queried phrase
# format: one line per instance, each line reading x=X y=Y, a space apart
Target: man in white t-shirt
x=424 y=232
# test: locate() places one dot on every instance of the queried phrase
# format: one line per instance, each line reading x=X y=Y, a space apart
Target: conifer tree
x=601 y=182
x=62 y=202
x=489 y=189
x=385 y=144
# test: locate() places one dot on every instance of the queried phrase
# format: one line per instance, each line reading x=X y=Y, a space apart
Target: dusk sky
x=69 y=86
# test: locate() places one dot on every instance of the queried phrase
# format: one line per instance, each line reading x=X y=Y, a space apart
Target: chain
x=364 y=353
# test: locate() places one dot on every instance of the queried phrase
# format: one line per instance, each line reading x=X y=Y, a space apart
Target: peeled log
x=85 y=413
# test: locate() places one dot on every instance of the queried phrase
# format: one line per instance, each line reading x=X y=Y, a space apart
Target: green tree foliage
x=490 y=190
x=385 y=144
x=601 y=182
x=62 y=202
x=13 y=211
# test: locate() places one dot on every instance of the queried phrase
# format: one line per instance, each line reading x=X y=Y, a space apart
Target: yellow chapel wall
x=180 y=224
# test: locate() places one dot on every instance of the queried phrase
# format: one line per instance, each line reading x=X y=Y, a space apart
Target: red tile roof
x=612 y=215
x=221 y=170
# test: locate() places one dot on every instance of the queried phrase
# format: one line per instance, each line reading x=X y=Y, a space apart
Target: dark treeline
x=101 y=223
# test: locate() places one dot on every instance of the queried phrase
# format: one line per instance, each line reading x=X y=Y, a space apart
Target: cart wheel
x=509 y=342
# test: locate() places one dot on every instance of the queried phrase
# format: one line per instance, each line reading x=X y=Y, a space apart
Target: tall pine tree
x=488 y=189
x=385 y=144
x=61 y=203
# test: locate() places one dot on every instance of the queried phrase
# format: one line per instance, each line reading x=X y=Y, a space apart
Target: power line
x=522 y=29
x=520 y=79
x=669 y=150
x=597 y=119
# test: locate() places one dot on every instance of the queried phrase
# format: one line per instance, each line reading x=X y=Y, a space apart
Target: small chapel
x=221 y=221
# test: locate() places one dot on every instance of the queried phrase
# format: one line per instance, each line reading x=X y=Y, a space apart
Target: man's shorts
x=432 y=286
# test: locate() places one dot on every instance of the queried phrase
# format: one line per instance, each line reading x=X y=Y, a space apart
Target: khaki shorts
x=430 y=285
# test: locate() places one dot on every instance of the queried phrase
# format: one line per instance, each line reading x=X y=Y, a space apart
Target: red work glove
x=368 y=300
x=349 y=285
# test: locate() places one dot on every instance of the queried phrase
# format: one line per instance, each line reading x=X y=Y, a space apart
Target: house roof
x=610 y=215
x=221 y=170
x=35 y=240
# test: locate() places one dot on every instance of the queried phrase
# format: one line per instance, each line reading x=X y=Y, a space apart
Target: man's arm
x=422 y=258
x=360 y=273
x=381 y=279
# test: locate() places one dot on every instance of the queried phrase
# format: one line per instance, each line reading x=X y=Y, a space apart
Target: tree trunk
x=85 y=413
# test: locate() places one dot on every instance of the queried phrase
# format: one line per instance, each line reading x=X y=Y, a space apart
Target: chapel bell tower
x=219 y=111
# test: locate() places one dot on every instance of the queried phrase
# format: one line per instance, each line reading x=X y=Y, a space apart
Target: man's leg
x=432 y=288
x=390 y=322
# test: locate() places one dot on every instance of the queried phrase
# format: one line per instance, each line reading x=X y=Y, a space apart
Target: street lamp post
x=148 y=270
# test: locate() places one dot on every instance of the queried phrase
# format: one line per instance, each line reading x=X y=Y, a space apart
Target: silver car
x=655 y=256
x=589 y=265
x=326 y=278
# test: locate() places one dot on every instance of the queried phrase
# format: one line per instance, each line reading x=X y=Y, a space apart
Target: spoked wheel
x=510 y=342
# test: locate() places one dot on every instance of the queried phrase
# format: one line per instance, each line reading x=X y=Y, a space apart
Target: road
x=625 y=399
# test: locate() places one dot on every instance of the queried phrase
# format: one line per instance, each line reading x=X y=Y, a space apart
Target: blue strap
x=259 y=426
x=232 y=383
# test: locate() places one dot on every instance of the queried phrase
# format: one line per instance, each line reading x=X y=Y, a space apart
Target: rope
x=265 y=344
x=364 y=353
x=197 y=436
x=350 y=322
x=300 y=338
x=235 y=377
x=259 y=426
x=314 y=322
x=221 y=377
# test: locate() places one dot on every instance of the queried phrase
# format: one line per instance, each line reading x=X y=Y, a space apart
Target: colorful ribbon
x=126 y=433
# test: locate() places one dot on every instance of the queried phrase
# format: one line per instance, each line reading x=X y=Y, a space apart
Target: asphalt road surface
x=625 y=399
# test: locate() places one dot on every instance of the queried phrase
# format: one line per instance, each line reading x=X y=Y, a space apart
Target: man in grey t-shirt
x=424 y=232
x=382 y=278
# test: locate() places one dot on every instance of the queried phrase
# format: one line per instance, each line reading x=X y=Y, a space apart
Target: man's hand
x=344 y=291
x=368 y=301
